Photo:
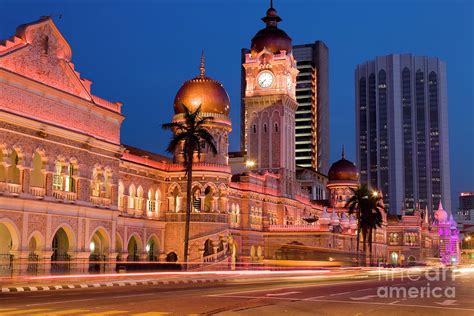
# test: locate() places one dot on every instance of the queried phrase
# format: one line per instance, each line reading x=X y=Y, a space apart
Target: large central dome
x=271 y=37
x=202 y=91
x=343 y=170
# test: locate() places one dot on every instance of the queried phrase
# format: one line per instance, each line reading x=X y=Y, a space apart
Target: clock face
x=265 y=79
x=289 y=82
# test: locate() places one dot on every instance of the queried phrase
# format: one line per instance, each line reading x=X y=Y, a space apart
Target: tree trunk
x=358 y=239
x=370 y=245
x=189 y=171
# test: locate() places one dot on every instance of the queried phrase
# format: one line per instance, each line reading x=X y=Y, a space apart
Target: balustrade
x=197 y=217
x=101 y=201
x=63 y=195
x=13 y=188
x=38 y=192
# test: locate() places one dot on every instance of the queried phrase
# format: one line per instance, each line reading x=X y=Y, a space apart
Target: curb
x=104 y=284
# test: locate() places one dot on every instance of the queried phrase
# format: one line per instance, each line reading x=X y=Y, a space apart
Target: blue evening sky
x=140 y=52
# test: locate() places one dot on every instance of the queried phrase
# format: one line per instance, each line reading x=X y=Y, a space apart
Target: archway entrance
x=133 y=249
x=34 y=248
x=6 y=244
x=152 y=250
x=99 y=248
x=394 y=258
x=171 y=257
x=60 y=258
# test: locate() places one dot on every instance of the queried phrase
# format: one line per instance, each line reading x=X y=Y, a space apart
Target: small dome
x=441 y=215
x=345 y=220
x=343 y=170
x=202 y=91
x=352 y=222
x=334 y=218
x=324 y=218
x=271 y=37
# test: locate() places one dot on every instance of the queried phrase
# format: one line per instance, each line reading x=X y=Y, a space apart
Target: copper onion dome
x=271 y=37
x=343 y=170
x=202 y=91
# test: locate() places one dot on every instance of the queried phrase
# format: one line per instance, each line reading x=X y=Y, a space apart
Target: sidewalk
x=51 y=283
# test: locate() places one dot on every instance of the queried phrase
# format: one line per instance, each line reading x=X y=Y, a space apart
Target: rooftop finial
x=202 y=68
x=271 y=4
x=342 y=154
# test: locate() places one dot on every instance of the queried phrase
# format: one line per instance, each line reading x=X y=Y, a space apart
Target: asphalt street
x=378 y=294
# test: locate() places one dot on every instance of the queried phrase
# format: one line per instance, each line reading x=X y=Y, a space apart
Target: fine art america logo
x=430 y=283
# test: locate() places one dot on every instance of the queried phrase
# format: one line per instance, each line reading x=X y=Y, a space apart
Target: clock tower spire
x=270 y=102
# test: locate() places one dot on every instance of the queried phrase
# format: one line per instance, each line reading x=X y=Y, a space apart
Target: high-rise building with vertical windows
x=402 y=130
x=312 y=114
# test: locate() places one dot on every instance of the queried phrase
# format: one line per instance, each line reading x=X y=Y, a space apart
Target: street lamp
x=250 y=163
x=375 y=193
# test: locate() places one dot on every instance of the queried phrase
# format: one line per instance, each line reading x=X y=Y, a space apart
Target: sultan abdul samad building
x=71 y=192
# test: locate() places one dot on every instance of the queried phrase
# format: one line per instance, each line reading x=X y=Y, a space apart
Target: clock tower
x=270 y=103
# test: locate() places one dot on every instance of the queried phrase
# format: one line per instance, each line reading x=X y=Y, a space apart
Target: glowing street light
x=375 y=193
x=250 y=163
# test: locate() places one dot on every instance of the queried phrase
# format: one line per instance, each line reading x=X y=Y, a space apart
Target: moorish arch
x=65 y=231
x=174 y=197
x=3 y=162
x=9 y=236
x=119 y=246
x=153 y=248
x=134 y=247
x=210 y=191
x=100 y=241
x=36 y=242
x=38 y=164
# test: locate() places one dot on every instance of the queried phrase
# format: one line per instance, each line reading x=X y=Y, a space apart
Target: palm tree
x=358 y=204
x=190 y=136
x=374 y=217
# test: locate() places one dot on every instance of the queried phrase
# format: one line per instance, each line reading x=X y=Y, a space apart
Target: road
x=298 y=295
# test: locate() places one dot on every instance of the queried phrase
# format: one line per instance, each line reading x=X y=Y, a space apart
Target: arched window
x=37 y=177
x=13 y=170
x=157 y=201
x=254 y=129
x=107 y=186
x=58 y=176
x=276 y=127
x=3 y=176
x=131 y=197
x=265 y=128
x=139 y=203
x=69 y=179
x=150 y=202
x=96 y=183
x=121 y=190
x=208 y=199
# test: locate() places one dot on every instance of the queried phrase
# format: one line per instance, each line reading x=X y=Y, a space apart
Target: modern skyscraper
x=312 y=114
x=402 y=130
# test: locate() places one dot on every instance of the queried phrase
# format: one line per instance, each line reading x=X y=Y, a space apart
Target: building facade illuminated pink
x=70 y=191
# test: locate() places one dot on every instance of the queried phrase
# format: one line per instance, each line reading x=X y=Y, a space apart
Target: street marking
x=69 y=311
x=62 y=302
x=363 y=298
x=282 y=294
x=311 y=298
x=344 y=302
x=134 y=295
x=334 y=294
x=27 y=311
x=394 y=302
x=152 y=314
x=447 y=303
x=106 y=313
